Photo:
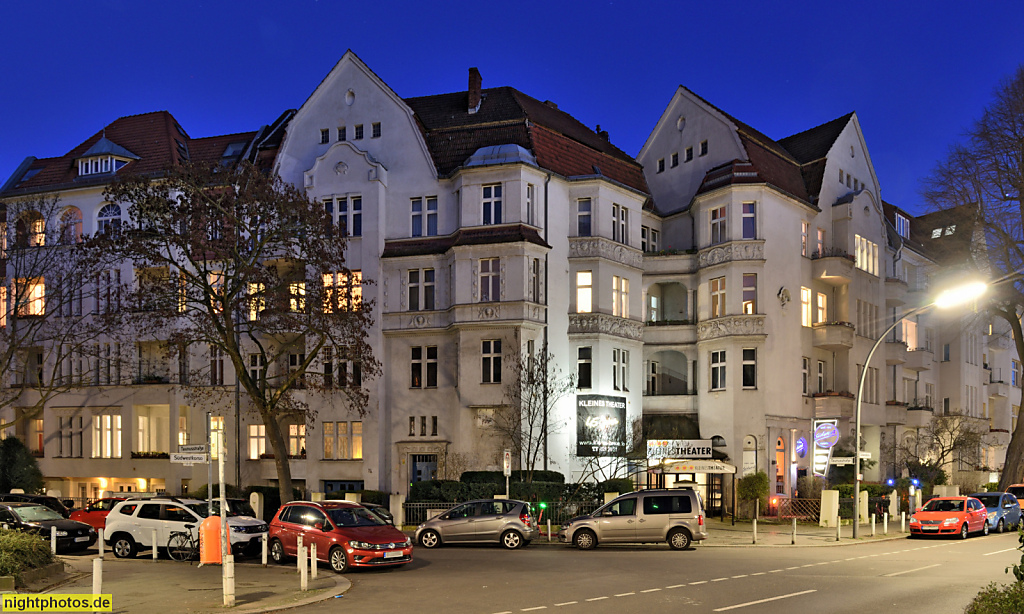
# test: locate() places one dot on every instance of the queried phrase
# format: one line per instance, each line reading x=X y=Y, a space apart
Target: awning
x=693 y=466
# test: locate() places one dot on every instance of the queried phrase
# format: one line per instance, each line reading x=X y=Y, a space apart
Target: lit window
x=821 y=242
x=717 y=297
x=257 y=441
x=822 y=308
x=342 y=291
x=584 y=291
x=804 y=229
x=718 y=229
x=30 y=297
x=749 y=293
x=106 y=436
x=866 y=255
x=297 y=440
x=620 y=296
x=805 y=306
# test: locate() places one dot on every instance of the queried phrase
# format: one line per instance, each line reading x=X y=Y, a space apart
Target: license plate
x=81 y=539
x=394 y=555
x=929 y=528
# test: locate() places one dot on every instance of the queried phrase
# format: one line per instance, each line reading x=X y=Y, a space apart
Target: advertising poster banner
x=600 y=425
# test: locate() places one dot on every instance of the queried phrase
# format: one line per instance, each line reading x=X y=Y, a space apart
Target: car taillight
x=525 y=518
x=700 y=520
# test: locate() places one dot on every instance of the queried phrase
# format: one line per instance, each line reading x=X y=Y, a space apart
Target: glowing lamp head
x=960 y=294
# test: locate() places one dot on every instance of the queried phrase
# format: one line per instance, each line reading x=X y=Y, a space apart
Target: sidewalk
x=772 y=534
x=141 y=585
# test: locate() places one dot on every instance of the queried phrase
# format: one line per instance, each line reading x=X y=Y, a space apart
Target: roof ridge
x=821 y=125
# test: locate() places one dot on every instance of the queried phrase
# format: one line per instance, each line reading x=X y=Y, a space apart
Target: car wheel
x=511 y=540
x=679 y=539
x=999 y=526
x=430 y=539
x=124 y=547
x=585 y=539
x=984 y=529
x=963 y=531
x=338 y=559
x=277 y=552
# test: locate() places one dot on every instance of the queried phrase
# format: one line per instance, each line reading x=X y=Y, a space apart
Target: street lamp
x=951 y=297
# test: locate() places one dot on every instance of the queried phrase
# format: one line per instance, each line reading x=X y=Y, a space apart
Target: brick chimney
x=474 y=90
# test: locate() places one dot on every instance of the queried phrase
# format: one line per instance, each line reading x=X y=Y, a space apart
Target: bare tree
x=985 y=173
x=948 y=440
x=48 y=335
x=527 y=419
x=241 y=267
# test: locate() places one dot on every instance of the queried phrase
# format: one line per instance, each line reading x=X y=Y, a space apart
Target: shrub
x=232 y=492
x=619 y=485
x=497 y=477
x=366 y=496
x=754 y=487
x=995 y=599
x=992 y=487
x=18 y=468
x=271 y=498
x=20 y=551
x=872 y=490
x=809 y=487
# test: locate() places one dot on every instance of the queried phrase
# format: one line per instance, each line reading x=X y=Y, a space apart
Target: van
x=675 y=516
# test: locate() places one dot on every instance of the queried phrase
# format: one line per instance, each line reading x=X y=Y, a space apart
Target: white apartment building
x=721 y=286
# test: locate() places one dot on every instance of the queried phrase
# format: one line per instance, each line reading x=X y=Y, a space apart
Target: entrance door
x=424 y=467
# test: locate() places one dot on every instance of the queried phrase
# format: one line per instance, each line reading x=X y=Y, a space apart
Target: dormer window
x=100 y=165
x=903 y=225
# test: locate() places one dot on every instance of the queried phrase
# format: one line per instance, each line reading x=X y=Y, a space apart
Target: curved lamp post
x=949 y=298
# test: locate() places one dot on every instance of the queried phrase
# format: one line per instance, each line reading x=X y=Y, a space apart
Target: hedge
x=367 y=496
x=498 y=477
x=450 y=491
x=873 y=490
x=754 y=487
x=995 y=599
x=20 y=551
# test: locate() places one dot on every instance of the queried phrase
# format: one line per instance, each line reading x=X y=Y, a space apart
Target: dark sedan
x=30 y=517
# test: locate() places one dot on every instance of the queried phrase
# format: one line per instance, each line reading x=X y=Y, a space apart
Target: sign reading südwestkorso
x=678 y=448
x=600 y=425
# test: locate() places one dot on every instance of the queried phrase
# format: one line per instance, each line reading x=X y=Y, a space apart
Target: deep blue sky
x=917 y=73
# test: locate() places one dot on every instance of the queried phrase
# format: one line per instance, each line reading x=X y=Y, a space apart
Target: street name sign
x=186 y=459
x=842 y=460
x=195 y=448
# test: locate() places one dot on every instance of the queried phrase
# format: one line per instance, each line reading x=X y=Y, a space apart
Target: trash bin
x=209 y=541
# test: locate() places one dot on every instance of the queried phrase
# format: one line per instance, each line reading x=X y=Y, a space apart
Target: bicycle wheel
x=180 y=547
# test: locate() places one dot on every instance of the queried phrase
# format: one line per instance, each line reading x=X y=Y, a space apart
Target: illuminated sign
x=678 y=448
x=826 y=435
x=600 y=425
x=801 y=447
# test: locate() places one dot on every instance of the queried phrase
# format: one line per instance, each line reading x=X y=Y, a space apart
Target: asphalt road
x=933 y=575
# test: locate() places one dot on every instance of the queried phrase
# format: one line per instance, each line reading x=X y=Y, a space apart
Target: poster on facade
x=600 y=425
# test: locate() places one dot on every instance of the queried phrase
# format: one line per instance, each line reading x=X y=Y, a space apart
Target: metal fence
x=557 y=511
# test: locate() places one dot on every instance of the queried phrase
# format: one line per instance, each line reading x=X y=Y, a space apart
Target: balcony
x=999 y=342
x=895 y=412
x=919 y=415
x=670 y=332
x=670 y=403
x=895 y=352
x=604 y=324
x=895 y=292
x=834 y=267
x=833 y=404
x=833 y=336
x=731 y=251
x=600 y=247
x=997 y=386
x=919 y=360
x=669 y=263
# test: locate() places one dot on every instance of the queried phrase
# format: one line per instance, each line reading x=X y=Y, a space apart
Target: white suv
x=130 y=525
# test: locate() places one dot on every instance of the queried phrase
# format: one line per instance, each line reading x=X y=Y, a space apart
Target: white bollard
x=312 y=561
x=301 y=562
x=903 y=518
x=792 y=540
x=263 y=547
x=53 y=539
x=155 y=549
x=97 y=576
x=229 y=581
x=885 y=523
x=100 y=544
x=872 y=525
x=549 y=529
x=755 y=530
x=303 y=581
x=839 y=527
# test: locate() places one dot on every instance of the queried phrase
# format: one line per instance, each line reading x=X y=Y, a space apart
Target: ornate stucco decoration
x=599 y=323
x=729 y=252
x=599 y=247
x=730 y=326
x=489 y=312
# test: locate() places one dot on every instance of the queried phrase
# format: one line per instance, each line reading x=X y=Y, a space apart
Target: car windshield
x=199 y=508
x=36 y=513
x=354 y=517
x=989 y=500
x=944 y=505
x=235 y=508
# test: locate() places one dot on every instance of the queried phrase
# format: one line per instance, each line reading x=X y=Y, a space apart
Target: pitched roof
x=478 y=235
x=507 y=116
x=815 y=143
x=155 y=141
x=946 y=235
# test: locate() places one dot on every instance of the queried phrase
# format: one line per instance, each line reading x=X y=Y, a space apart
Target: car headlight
x=992 y=514
x=62 y=533
x=238 y=529
x=360 y=545
x=914 y=520
x=953 y=520
x=408 y=542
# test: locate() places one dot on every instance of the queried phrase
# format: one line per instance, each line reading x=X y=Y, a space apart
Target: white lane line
x=701 y=582
x=624 y=594
x=999 y=551
x=792 y=568
x=540 y=607
x=743 y=576
x=558 y=605
x=507 y=612
x=900 y=573
x=651 y=590
x=719 y=579
x=850 y=559
x=760 y=573
x=749 y=603
x=837 y=561
x=597 y=599
x=809 y=565
x=775 y=571
x=676 y=586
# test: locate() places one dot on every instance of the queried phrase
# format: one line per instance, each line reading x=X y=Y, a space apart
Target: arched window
x=109 y=219
x=30 y=230
x=71 y=226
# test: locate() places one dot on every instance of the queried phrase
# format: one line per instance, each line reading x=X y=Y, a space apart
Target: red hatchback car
x=95 y=514
x=346 y=535
x=950 y=516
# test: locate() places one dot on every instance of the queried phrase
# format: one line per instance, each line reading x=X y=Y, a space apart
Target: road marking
x=837 y=561
x=651 y=590
x=676 y=586
x=558 y=605
x=719 y=579
x=743 y=576
x=775 y=571
x=760 y=573
x=808 y=565
x=850 y=559
x=791 y=568
x=749 y=603
x=624 y=594
x=597 y=599
x=701 y=582
x=998 y=551
x=900 y=573
x=540 y=607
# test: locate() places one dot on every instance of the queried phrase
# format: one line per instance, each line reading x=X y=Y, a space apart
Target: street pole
x=209 y=463
x=227 y=564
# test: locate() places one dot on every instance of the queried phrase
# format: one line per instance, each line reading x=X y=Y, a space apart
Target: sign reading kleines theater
x=600 y=425
x=678 y=448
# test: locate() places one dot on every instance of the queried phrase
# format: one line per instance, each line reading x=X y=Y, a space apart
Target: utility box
x=209 y=541
x=256 y=501
x=610 y=496
x=829 y=508
x=354 y=497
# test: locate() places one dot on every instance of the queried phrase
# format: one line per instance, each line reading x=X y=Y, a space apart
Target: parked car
x=32 y=517
x=236 y=507
x=51 y=502
x=500 y=521
x=95 y=514
x=1002 y=508
x=381 y=511
x=346 y=535
x=673 y=515
x=130 y=524
x=950 y=516
x=1017 y=490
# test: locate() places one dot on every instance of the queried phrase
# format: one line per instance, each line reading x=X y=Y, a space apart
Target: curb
x=341 y=586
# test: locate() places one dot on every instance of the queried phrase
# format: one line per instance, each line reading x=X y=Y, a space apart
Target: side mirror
x=319 y=526
x=606 y=513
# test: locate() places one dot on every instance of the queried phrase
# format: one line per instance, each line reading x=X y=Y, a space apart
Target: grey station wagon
x=503 y=521
x=675 y=516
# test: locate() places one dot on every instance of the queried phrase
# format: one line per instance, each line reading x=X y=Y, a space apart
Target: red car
x=95 y=514
x=346 y=535
x=950 y=516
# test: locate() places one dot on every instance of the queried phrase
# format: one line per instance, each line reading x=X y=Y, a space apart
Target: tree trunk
x=280 y=447
x=1013 y=467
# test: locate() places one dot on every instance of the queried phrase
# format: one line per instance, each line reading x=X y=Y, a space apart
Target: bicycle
x=182 y=545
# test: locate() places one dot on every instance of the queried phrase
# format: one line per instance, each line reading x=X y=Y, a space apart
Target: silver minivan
x=675 y=516
x=504 y=521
